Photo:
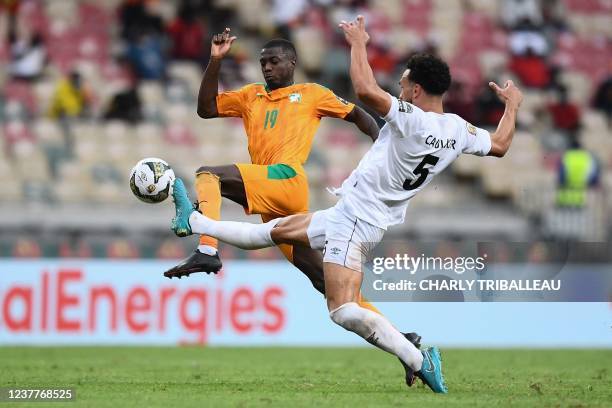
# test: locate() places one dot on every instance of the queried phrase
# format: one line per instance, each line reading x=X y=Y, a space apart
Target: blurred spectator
x=28 y=57
x=528 y=37
x=12 y=9
x=458 y=101
x=80 y=249
x=286 y=14
x=565 y=115
x=513 y=12
x=532 y=69
x=122 y=248
x=136 y=18
x=383 y=62
x=234 y=65
x=489 y=108
x=27 y=248
x=126 y=106
x=217 y=14
x=603 y=98
x=578 y=171
x=187 y=34
x=170 y=249
x=70 y=101
x=553 y=13
x=71 y=97
x=146 y=55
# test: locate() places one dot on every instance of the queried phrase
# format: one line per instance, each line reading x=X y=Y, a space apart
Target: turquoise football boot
x=184 y=208
x=431 y=370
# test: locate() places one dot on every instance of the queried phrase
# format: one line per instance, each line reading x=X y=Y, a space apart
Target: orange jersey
x=281 y=124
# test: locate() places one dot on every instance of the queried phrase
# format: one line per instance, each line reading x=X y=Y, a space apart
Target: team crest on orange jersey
x=295 y=97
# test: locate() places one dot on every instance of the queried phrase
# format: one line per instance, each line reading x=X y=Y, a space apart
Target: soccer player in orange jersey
x=280 y=118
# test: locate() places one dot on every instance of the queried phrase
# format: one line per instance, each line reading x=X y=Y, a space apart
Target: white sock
x=377 y=330
x=207 y=249
x=243 y=235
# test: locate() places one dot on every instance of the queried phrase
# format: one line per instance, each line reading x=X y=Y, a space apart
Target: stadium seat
x=594 y=120
x=11 y=182
x=579 y=86
x=467 y=166
x=151 y=92
x=495 y=182
x=22 y=93
x=43 y=92
x=492 y=62
x=189 y=72
x=309 y=44
x=16 y=131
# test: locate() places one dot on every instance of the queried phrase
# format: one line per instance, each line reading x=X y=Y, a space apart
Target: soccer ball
x=151 y=180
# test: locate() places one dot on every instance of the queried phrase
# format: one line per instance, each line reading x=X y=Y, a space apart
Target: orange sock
x=208 y=190
x=367 y=305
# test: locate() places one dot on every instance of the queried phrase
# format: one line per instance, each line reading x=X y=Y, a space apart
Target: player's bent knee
x=280 y=234
x=291 y=230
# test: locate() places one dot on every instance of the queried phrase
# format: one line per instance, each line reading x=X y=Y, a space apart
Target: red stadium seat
x=21 y=92
x=179 y=134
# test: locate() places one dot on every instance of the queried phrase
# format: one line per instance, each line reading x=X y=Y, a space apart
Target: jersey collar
x=279 y=93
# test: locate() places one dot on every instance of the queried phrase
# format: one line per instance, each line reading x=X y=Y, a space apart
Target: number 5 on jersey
x=271 y=116
x=421 y=171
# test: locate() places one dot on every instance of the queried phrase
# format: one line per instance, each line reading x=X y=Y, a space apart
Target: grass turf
x=186 y=376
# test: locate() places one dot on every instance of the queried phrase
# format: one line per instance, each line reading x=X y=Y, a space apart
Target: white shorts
x=344 y=239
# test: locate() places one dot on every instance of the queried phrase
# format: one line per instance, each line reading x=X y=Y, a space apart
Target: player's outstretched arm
x=209 y=88
x=502 y=137
x=364 y=83
x=364 y=121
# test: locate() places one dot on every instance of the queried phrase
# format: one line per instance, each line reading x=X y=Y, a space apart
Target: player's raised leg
x=211 y=184
x=240 y=234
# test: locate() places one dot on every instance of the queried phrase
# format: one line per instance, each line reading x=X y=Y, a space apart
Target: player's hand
x=509 y=94
x=355 y=32
x=221 y=44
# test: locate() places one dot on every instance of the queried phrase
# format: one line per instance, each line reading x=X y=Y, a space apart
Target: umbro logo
x=335 y=250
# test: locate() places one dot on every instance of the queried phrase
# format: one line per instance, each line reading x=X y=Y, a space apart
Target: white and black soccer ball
x=151 y=180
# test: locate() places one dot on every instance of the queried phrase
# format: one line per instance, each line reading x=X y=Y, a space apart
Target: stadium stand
x=57 y=168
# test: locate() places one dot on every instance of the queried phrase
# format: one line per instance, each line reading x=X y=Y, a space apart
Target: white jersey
x=411 y=149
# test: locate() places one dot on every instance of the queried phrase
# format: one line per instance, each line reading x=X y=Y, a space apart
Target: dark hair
x=286 y=45
x=430 y=72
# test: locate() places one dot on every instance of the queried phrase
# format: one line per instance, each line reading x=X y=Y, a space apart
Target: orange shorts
x=275 y=190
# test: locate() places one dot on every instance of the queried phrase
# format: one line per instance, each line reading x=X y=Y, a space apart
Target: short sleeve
x=328 y=104
x=403 y=116
x=231 y=103
x=477 y=141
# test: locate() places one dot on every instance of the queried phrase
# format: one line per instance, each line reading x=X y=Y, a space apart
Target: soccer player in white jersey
x=418 y=141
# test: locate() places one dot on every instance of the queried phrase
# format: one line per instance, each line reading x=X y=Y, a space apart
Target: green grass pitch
x=306 y=377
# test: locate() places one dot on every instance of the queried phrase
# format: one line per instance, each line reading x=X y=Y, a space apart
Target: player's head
x=278 y=59
x=425 y=76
